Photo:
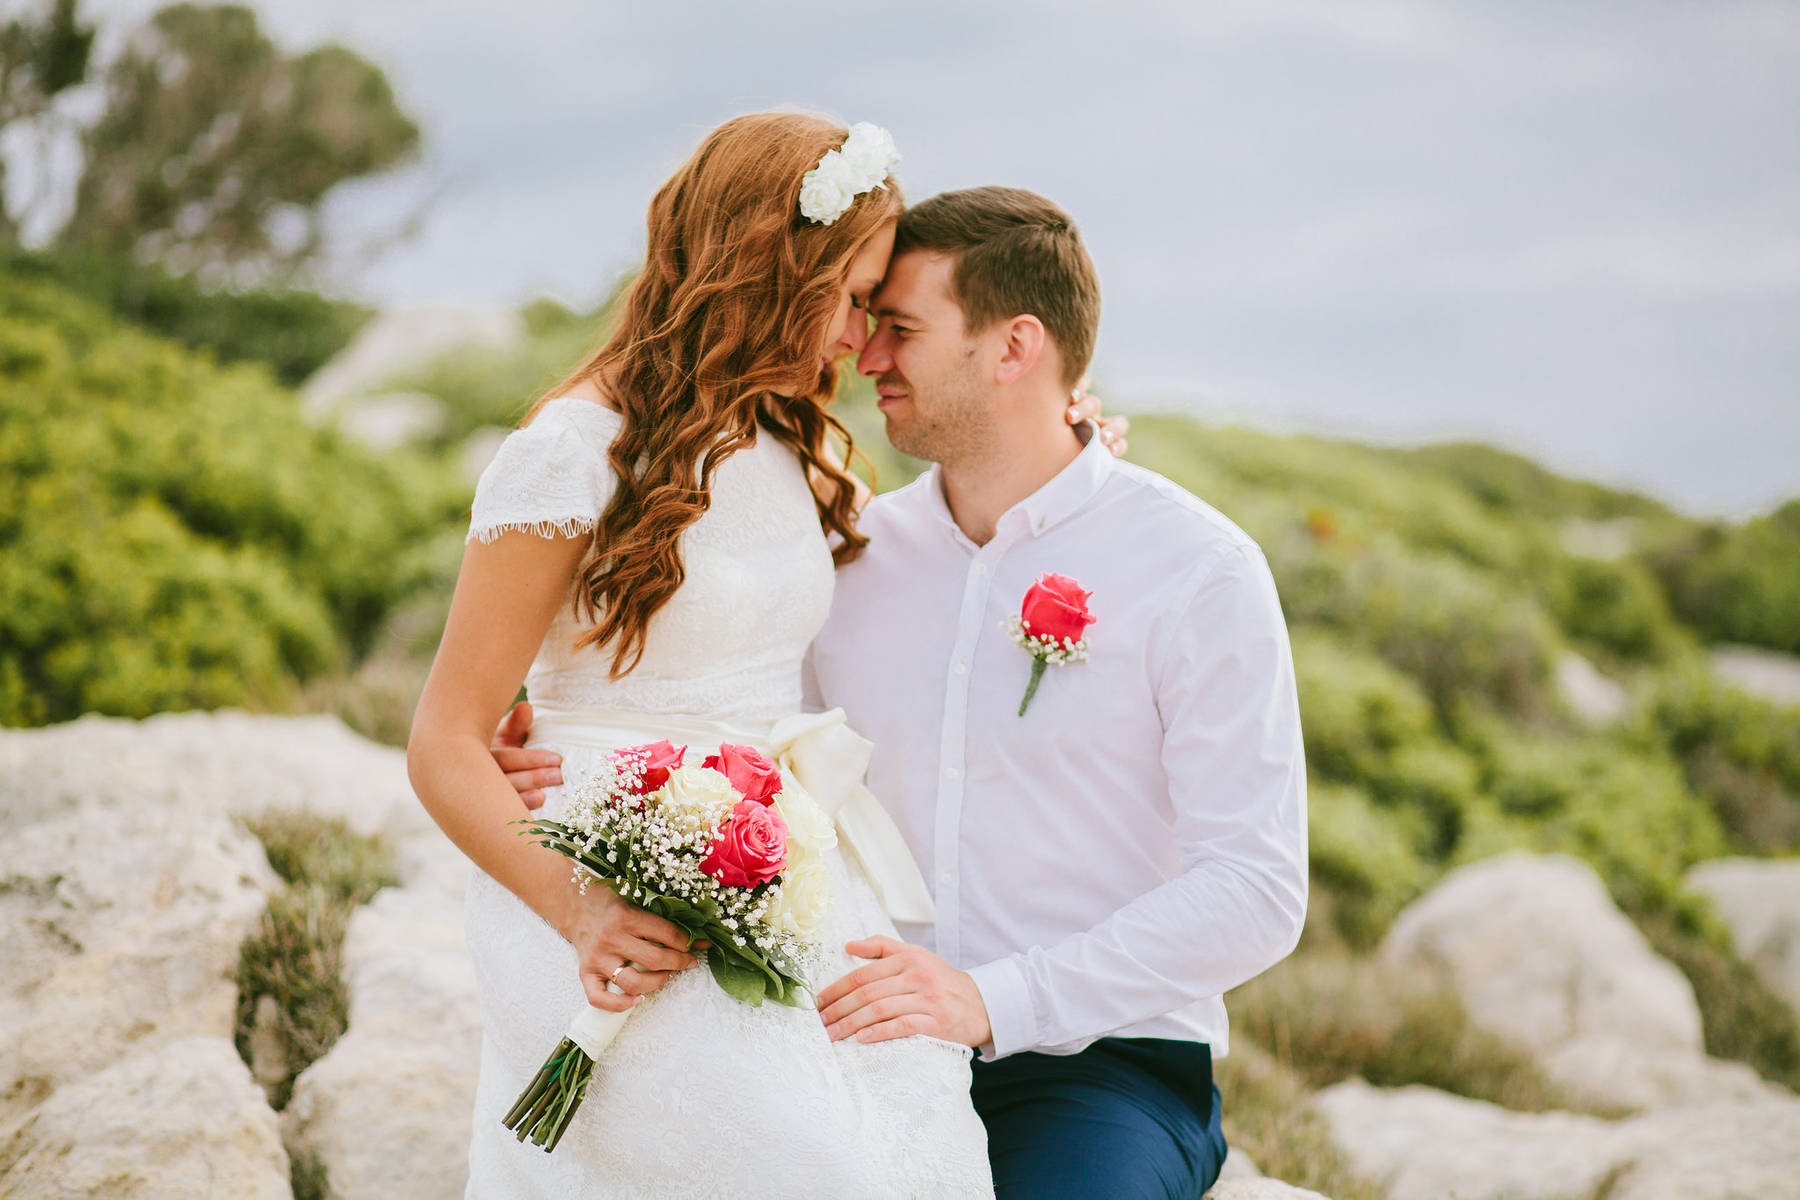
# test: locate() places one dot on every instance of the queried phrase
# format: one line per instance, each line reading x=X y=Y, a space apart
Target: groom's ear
x=1023 y=346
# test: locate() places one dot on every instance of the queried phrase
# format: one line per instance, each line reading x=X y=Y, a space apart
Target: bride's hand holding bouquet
x=724 y=852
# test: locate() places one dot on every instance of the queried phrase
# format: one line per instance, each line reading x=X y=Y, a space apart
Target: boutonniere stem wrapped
x=1051 y=626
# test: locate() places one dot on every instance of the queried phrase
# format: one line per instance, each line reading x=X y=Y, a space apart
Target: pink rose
x=751 y=847
x=750 y=771
x=1056 y=608
x=657 y=760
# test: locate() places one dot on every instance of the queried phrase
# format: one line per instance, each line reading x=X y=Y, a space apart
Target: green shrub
x=296 y=954
x=1365 y=857
x=1737 y=583
x=1624 y=808
x=1514 y=484
x=1614 y=604
x=175 y=534
x=293 y=331
x=1740 y=752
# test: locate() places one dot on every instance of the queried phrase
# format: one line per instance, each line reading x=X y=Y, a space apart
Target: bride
x=651 y=553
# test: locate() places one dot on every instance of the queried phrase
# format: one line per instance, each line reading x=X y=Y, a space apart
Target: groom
x=1110 y=858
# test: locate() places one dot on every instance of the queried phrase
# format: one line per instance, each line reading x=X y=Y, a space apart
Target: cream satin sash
x=819 y=751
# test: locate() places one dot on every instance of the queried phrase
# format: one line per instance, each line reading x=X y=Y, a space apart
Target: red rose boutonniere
x=1050 y=627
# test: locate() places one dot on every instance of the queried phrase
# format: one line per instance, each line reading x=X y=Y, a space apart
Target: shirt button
x=946 y=878
x=952 y=773
x=961 y=668
x=981 y=568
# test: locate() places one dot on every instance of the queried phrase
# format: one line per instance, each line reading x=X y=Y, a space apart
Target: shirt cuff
x=1012 y=1019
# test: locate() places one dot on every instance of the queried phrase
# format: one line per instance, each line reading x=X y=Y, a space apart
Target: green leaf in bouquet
x=741 y=983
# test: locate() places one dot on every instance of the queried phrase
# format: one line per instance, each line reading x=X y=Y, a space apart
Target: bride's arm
x=507 y=594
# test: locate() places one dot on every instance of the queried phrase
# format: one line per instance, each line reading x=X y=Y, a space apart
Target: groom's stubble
x=949 y=420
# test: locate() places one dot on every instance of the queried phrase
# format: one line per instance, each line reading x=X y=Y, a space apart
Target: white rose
x=805 y=897
x=808 y=826
x=870 y=151
x=697 y=798
x=825 y=194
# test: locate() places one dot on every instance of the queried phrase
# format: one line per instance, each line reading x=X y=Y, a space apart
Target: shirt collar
x=1059 y=499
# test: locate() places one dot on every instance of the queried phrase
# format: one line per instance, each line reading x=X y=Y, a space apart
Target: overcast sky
x=1570 y=227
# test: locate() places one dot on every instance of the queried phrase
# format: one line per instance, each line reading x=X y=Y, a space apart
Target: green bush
x=1740 y=752
x=1624 y=808
x=1616 y=605
x=293 y=331
x=176 y=535
x=1365 y=858
x=1737 y=583
x=296 y=954
x=1512 y=483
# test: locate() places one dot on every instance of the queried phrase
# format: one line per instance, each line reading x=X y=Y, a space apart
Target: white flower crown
x=861 y=164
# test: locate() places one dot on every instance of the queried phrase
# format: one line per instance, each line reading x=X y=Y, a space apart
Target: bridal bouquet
x=726 y=851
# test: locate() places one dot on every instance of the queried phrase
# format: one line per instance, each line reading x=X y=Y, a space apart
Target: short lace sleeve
x=550 y=478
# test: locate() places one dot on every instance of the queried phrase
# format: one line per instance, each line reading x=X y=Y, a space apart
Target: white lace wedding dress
x=699 y=1095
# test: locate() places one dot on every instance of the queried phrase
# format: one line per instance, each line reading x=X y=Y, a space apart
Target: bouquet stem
x=543 y=1111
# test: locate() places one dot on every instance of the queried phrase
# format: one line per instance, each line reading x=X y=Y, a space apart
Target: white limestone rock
x=1614 y=1072
x=1538 y=952
x=183 y=1119
x=1260 y=1189
x=389 y=420
x=1771 y=674
x=404 y=339
x=1759 y=901
x=1596 y=699
x=1422 y=1144
x=1714 y=1152
x=118 y=934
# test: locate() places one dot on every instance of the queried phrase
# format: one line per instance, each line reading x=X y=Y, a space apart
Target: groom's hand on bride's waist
x=906 y=990
x=529 y=771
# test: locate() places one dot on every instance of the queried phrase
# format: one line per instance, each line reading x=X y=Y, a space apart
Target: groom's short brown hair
x=1015 y=252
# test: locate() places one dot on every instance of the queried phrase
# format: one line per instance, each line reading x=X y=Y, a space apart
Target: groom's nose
x=875 y=359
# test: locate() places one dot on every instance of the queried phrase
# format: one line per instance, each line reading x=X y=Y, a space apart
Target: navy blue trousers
x=1127 y=1118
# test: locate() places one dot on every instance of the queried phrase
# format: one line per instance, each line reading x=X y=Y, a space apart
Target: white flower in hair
x=861 y=164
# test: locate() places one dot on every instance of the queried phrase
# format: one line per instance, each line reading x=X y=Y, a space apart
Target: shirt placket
x=953 y=745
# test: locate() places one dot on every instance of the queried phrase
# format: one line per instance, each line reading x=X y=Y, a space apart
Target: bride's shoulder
x=550 y=473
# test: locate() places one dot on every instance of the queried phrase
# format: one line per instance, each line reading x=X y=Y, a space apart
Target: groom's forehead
x=917 y=278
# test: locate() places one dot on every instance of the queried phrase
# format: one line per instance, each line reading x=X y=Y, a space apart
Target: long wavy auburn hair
x=720 y=333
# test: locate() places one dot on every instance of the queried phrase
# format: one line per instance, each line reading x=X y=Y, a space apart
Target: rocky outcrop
x=120 y=931
x=127 y=886
x=1538 y=953
x=182 y=1119
x=1423 y=1144
x=1759 y=901
x=1261 y=1189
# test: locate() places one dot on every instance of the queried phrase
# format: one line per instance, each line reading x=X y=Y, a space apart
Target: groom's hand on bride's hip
x=906 y=990
x=529 y=771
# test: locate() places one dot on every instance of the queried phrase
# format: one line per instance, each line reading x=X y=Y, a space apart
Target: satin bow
x=821 y=753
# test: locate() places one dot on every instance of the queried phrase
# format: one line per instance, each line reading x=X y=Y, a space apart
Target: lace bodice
x=728 y=645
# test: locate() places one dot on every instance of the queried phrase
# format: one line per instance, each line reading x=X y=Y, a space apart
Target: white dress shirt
x=1113 y=861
